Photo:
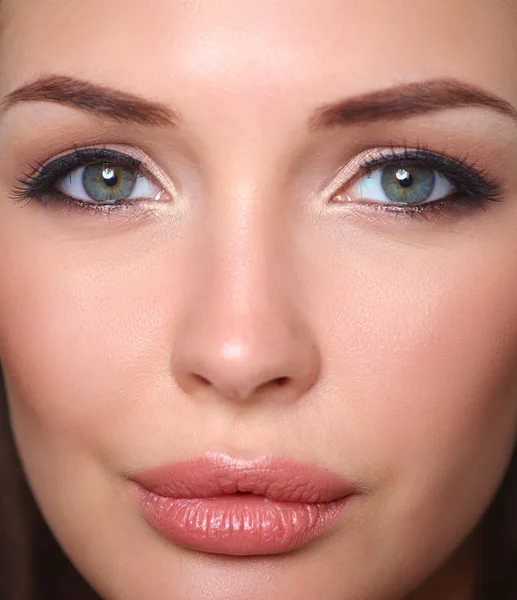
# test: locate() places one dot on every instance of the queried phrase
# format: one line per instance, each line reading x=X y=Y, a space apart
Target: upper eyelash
x=469 y=179
x=40 y=182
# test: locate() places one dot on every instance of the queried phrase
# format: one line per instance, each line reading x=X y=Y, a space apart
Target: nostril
x=278 y=382
x=202 y=380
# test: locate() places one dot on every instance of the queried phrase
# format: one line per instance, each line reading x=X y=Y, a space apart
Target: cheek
x=421 y=347
x=86 y=327
x=432 y=346
x=416 y=330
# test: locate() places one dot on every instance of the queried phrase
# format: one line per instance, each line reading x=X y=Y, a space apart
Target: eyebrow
x=101 y=100
x=408 y=100
x=395 y=103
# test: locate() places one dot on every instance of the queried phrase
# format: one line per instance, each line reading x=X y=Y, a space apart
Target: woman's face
x=311 y=264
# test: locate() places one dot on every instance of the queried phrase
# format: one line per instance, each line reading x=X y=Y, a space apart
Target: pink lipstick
x=233 y=506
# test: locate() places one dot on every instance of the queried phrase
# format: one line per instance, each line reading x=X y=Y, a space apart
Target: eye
x=95 y=178
x=401 y=185
x=106 y=183
x=413 y=180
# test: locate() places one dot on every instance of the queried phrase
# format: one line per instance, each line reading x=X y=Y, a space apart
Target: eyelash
x=39 y=186
x=474 y=188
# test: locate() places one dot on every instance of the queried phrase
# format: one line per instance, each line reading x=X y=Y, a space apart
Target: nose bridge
x=243 y=335
x=245 y=255
x=251 y=262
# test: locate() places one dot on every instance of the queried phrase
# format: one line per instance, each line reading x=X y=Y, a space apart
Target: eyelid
x=151 y=167
x=148 y=165
x=471 y=181
x=356 y=166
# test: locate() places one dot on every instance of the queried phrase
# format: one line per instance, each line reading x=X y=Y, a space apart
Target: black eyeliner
x=471 y=184
x=40 y=184
x=473 y=188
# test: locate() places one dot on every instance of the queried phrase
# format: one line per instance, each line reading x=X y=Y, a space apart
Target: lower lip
x=236 y=524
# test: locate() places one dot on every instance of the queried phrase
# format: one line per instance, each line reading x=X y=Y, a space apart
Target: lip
x=225 y=505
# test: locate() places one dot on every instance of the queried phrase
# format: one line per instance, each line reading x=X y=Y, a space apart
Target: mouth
x=223 y=505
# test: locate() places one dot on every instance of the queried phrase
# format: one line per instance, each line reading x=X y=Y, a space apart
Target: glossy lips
x=232 y=506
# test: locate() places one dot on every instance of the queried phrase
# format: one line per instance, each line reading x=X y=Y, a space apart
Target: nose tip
x=274 y=363
x=237 y=376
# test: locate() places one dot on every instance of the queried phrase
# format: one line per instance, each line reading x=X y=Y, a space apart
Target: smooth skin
x=157 y=334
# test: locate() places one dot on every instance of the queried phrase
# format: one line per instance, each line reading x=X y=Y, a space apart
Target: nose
x=243 y=335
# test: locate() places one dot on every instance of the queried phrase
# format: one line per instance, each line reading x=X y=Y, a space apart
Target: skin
x=397 y=334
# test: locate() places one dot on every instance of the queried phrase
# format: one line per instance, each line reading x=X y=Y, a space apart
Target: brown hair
x=499 y=551
x=32 y=565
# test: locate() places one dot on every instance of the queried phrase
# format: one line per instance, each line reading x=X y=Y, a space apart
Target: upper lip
x=276 y=478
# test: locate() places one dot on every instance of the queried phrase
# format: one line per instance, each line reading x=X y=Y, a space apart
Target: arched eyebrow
x=101 y=100
x=408 y=100
x=395 y=103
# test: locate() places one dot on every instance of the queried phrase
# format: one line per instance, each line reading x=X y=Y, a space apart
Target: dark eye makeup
x=41 y=184
x=473 y=187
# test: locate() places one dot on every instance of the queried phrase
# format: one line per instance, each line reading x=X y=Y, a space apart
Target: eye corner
x=61 y=180
x=445 y=180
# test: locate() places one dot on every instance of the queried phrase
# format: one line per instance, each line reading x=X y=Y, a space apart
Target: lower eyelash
x=461 y=205
x=474 y=188
x=39 y=185
x=60 y=200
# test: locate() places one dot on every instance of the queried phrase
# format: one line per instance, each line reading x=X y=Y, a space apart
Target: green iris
x=408 y=185
x=109 y=183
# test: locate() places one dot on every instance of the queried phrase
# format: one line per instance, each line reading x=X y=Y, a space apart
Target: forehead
x=265 y=53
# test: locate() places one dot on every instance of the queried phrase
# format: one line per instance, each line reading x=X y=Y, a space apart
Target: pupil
x=109 y=176
x=404 y=178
